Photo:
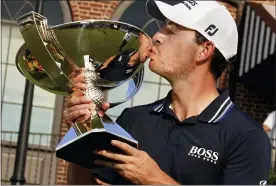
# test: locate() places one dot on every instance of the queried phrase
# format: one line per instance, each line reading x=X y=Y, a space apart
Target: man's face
x=174 y=52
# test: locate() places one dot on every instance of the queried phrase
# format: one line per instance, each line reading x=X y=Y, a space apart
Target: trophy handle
x=40 y=40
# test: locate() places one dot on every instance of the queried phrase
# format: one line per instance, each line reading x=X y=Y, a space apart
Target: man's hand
x=100 y=182
x=79 y=108
x=136 y=166
x=145 y=47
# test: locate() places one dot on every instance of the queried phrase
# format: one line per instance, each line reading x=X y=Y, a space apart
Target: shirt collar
x=213 y=113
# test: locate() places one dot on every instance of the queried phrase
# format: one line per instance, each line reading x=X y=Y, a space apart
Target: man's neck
x=191 y=97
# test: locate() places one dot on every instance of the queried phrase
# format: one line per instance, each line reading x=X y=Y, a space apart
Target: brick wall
x=83 y=10
x=251 y=103
x=62 y=165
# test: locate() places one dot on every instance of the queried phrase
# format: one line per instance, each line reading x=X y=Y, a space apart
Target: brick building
x=154 y=87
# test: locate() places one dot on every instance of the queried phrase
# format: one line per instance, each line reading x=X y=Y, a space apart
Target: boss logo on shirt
x=202 y=153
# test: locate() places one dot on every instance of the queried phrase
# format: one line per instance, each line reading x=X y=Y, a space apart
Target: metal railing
x=40 y=162
x=273 y=155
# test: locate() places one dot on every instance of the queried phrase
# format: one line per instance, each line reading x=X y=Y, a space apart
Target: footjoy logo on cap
x=211 y=30
x=204 y=154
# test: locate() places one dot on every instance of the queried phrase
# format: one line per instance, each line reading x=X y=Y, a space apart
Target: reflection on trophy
x=110 y=53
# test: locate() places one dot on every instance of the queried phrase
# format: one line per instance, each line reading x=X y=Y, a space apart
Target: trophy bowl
x=110 y=53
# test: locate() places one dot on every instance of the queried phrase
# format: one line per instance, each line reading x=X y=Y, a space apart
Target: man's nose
x=157 y=38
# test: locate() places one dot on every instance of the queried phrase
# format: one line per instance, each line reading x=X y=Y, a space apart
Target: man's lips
x=153 y=50
x=151 y=55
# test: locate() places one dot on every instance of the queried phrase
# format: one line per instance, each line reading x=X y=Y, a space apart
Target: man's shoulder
x=241 y=123
x=130 y=113
x=145 y=108
x=137 y=115
x=242 y=118
x=244 y=135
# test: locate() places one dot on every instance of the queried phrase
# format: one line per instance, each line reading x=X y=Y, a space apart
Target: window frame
x=59 y=100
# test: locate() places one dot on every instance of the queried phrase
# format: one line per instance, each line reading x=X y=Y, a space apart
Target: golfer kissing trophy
x=108 y=52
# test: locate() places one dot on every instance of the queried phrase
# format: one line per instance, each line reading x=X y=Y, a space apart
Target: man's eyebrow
x=174 y=27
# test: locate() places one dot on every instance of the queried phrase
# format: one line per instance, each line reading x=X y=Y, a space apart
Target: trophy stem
x=95 y=94
x=94 y=122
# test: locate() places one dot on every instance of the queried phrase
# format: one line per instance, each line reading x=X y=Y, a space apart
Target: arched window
x=46 y=112
x=57 y=12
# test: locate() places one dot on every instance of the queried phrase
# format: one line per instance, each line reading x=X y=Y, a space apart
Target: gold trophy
x=109 y=53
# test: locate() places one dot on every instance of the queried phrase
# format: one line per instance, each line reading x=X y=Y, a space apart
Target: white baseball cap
x=209 y=18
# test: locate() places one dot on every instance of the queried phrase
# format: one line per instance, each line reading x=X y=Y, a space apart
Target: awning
x=256 y=51
x=258 y=37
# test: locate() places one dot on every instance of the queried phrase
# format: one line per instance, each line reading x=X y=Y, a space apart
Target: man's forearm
x=77 y=175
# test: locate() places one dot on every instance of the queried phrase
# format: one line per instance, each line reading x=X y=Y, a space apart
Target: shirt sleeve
x=107 y=174
x=248 y=159
x=270 y=120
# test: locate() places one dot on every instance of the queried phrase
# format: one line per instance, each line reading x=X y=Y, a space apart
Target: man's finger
x=113 y=156
x=105 y=106
x=80 y=78
x=70 y=117
x=101 y=113
x=110 y=164
x=100 y=182
x=77 y=93
x=90 y=106
x=75 y=72
x=83 y=118
x=81 y=86
x=79 y=100
x=125 y=147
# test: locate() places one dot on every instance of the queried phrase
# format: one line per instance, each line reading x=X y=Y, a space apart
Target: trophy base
x=79 y=149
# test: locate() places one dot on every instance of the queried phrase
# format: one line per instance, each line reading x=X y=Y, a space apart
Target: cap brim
x=153 y=9
x=160 y=10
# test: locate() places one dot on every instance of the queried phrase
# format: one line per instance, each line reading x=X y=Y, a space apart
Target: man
x=195 y=135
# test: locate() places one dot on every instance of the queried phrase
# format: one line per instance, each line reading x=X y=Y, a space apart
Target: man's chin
x=152 y=65
x=154 y=68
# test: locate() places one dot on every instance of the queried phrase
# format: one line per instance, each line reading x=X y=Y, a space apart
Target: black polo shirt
x=222 y=145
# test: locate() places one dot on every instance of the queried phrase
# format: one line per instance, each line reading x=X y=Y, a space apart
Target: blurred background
x=251 y=79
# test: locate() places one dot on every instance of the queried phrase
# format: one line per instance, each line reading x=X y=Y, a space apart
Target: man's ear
x=205 y=51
